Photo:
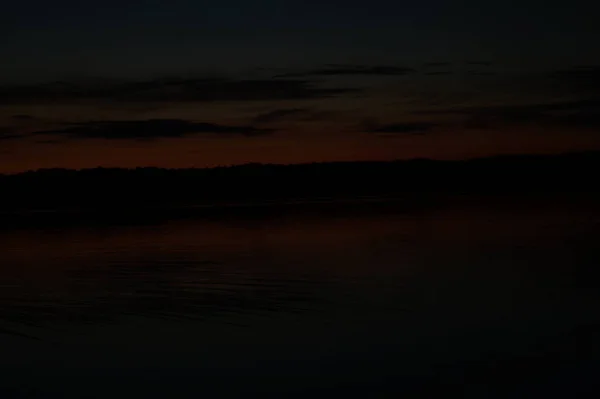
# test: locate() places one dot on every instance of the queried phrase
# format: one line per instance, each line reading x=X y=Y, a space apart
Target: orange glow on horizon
x=205 y=152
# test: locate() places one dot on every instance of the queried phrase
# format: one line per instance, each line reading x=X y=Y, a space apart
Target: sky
x=186 y=83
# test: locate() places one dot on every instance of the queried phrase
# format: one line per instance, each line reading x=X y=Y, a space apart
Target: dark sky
x=198 y=83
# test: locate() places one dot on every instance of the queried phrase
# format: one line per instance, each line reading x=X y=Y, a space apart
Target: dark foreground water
x=480 y=299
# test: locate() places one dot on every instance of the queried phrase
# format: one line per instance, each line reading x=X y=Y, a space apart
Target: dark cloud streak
x=280 y=114
x=584 y=113
x=292 y=114
x=342 y=70
x=479 y=63
x=410 y=128
x=180 y=90
x=149 y=130
x=437 y=64
x=405 y=128
x=7 y=133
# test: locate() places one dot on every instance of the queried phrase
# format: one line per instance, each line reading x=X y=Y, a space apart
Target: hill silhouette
x=110 y=189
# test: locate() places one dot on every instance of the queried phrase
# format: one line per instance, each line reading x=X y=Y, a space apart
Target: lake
x=480 y=298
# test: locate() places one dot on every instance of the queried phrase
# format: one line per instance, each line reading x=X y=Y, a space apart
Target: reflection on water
x=321 y=303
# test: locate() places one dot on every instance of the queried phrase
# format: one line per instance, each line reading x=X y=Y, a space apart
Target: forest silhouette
x=109 y=189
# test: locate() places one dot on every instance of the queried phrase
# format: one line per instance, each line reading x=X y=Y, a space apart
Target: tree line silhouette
x=150 y=187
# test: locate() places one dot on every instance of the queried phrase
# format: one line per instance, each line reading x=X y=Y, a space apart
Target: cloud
x=479 y=63
x=373 y=126
x=337 y=70
x=531 y=109
x=7 y=133
x=149 y=129
x=481 y=73
x=437 y=64
x=405 y=128
x=280 y=114
x=292 y=114
x=172 y=89
x=583 y=113
x=50 y=141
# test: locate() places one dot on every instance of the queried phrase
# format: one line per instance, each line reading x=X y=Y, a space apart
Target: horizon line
x=230 y=166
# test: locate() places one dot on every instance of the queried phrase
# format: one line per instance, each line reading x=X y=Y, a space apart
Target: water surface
x=485 y=298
